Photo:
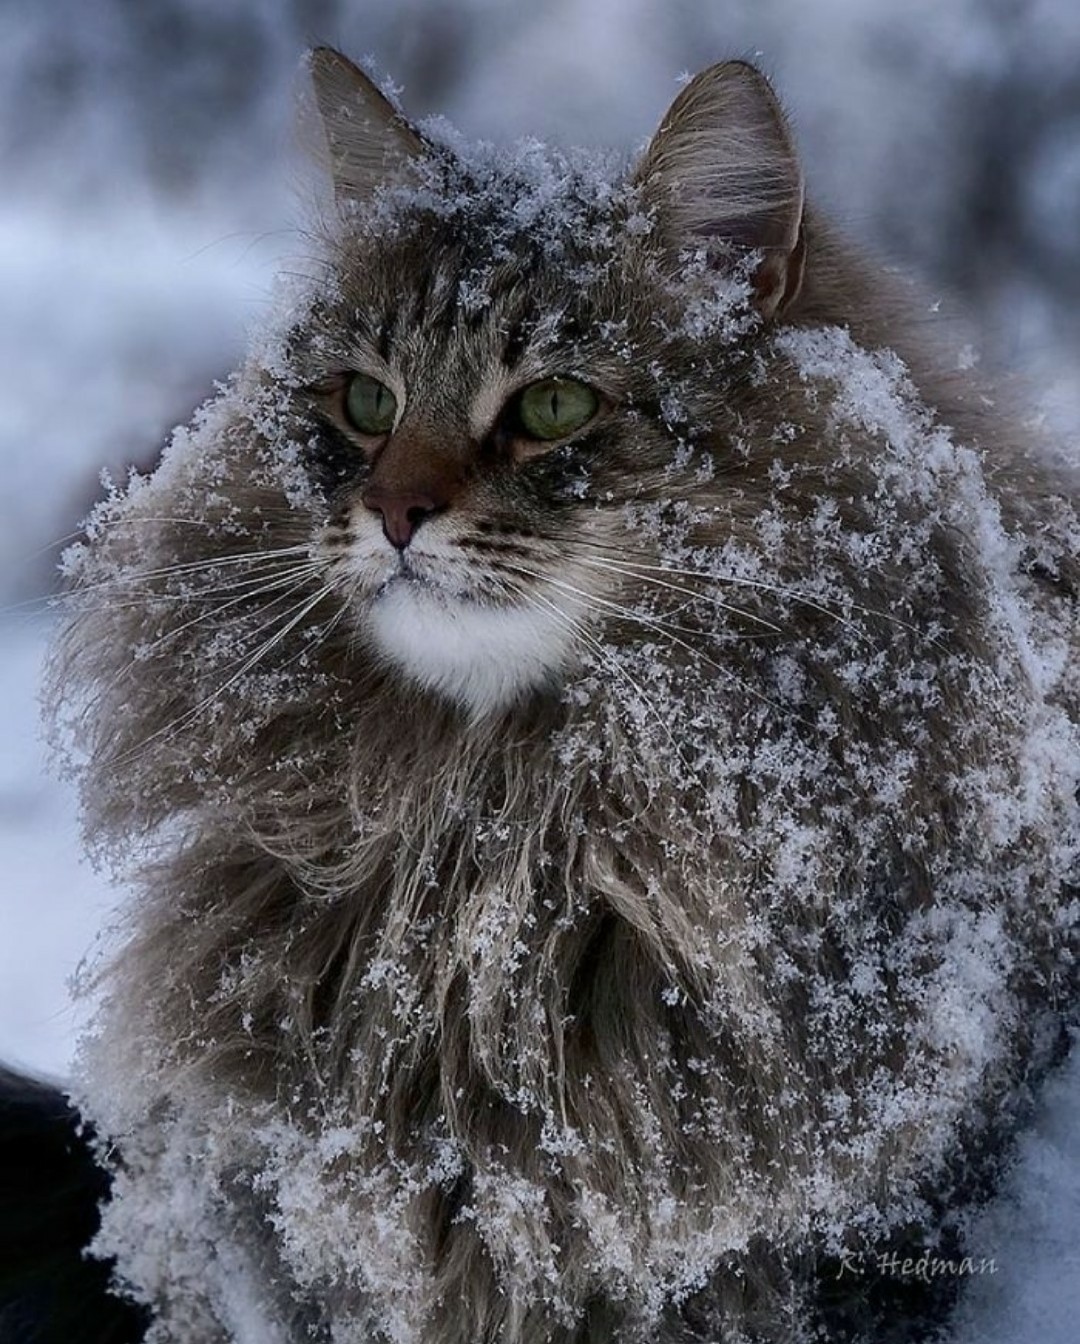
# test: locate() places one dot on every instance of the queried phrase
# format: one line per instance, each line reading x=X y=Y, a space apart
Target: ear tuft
x=365 y=141
x=722 y=168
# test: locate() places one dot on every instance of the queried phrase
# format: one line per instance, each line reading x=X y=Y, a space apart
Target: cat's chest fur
x=597 y=756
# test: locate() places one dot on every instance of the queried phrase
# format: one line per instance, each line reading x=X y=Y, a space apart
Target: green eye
x=370 y=405
x=556 y=407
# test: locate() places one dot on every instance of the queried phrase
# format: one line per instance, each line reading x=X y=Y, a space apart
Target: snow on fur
x=730 y=934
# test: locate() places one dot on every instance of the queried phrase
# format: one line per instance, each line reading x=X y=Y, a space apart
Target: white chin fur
x=484 y=658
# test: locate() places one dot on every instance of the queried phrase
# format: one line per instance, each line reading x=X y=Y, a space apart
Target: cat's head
x=518 y=355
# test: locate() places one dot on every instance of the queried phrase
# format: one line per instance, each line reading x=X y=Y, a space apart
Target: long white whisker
x=606 y=657
x=587 y=598
x=624 y=570
x=663 y=629
x=290 y=581
x=83 y=532
x=304 y=607
x=631 y=566
x=251 y=559
x=208 y=563
x=269 y=619
x=792 y=594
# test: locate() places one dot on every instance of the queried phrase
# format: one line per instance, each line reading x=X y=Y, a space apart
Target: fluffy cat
x=589 y=713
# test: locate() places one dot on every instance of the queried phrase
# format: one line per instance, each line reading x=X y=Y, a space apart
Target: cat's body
x=591 y=880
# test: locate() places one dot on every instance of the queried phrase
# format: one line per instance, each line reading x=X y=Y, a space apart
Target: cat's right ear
x=722 y=172
x=360 y=135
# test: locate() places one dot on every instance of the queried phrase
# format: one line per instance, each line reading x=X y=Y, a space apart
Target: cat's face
x=477 y=435
x=503 y=367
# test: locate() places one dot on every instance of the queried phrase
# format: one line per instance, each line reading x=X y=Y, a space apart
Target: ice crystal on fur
x=650 y=877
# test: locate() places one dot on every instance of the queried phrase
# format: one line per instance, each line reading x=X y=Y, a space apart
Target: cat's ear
x=364 y=140
x=722 y=170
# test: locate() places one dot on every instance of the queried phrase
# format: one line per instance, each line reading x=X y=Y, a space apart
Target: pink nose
x=401 y=514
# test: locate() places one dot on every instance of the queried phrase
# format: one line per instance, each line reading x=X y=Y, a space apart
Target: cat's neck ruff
x=741 y=930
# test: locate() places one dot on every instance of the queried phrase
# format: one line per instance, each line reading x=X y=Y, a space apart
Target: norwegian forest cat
x=590 y=716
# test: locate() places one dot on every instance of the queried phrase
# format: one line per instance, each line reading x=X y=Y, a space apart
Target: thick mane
x=731 y=942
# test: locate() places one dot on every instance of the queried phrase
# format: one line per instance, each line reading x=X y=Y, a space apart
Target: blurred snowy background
x=149 y=192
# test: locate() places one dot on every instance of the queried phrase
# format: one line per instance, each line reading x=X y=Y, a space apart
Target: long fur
x=619 y=1002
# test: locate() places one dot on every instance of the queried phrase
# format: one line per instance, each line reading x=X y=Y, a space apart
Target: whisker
x=653 y=622
x=792 y=594
x=181 y=569
x=302 y=609
x=51 y=601
x=607 y=659
x=650 y=623
x=623 y=570
x=290 y=581
x=630 y=566
x=130 y=668
x=85 y=530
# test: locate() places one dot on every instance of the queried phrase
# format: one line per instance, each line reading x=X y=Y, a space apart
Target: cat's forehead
x=474 y=284
x=478 y=227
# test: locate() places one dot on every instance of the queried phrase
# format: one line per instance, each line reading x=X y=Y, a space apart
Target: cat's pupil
x=555 y=408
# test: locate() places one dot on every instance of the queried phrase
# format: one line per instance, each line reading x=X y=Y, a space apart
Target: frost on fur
x=683 y=898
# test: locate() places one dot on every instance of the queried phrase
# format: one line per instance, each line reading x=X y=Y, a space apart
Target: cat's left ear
x=365 y=140
x=723 y=170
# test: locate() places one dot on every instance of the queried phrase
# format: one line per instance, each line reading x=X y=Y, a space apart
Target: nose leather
x=419 y=473
x=401 y=514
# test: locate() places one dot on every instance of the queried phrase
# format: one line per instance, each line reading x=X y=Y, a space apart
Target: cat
x=591 y=717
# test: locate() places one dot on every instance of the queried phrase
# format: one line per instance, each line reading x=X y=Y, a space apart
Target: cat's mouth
x=452 y=619
x=452 y=627
x=403 y=571
x=416 y=573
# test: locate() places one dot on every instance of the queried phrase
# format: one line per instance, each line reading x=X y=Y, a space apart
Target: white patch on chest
x=482 y=657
